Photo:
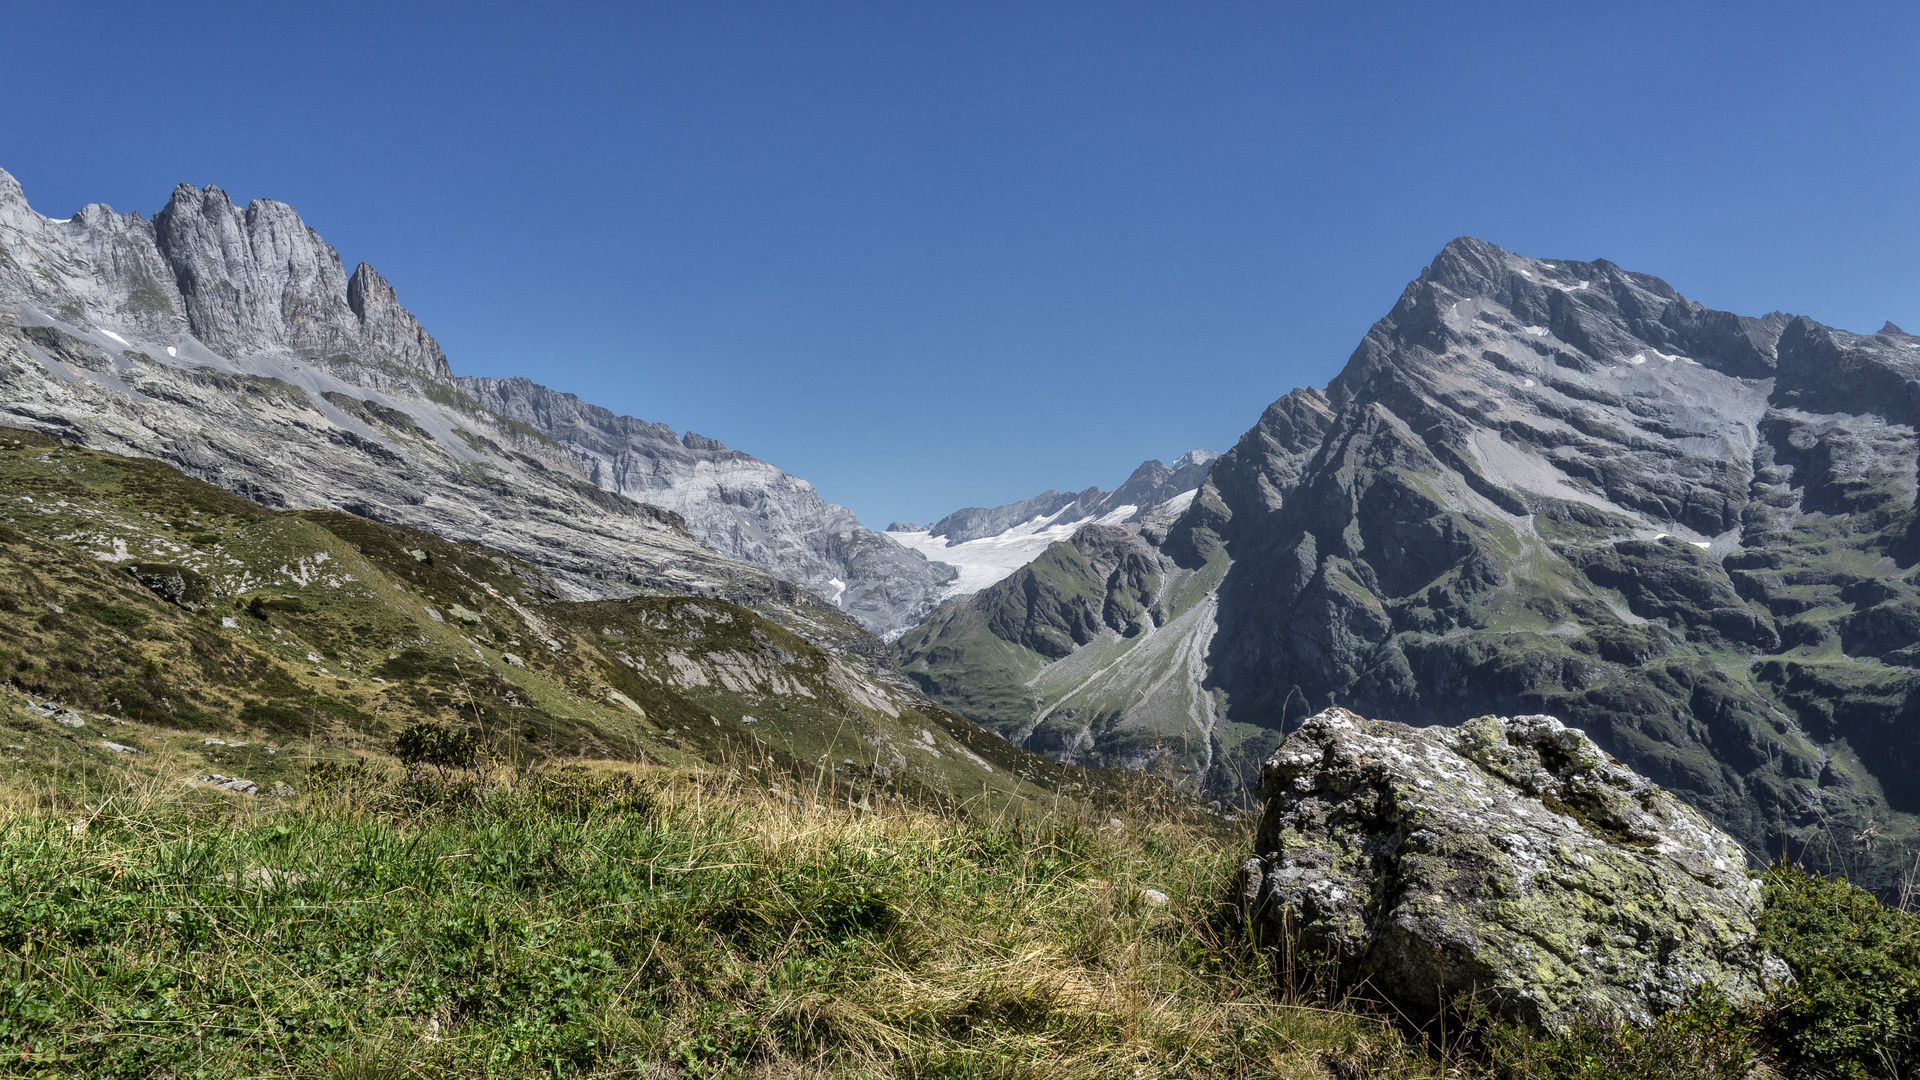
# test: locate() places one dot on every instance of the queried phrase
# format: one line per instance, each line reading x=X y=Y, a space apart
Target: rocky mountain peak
x=1467 y=265
x=390 y=328
x=1538 y=486
x=260 y=281
x=232 y=342
x=1149 y=485
x=11 y=193
x=1474 y=292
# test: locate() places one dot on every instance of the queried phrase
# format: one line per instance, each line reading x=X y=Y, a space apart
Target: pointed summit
x=389 y=328
x=1468 y=265
x=261 y=280
x=10 y=190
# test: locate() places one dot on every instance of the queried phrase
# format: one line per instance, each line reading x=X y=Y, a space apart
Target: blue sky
x=929 y=255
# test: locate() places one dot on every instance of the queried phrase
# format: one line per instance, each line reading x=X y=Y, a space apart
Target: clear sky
x=930 y=255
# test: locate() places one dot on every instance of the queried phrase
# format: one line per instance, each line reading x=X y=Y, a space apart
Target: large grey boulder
x=1509 y=859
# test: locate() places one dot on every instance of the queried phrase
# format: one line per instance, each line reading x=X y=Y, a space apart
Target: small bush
x=1706 y=1041
x=414 y=664
x=575 y=793
x=459 y=761
x=276 y=718
x=1855 y=1011
x=114 y=615
x=333 y=777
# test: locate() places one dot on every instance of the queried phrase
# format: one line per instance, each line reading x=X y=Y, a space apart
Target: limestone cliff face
x=242 y=282
x=154 y=337
x=741 y=505
x=1546 y=486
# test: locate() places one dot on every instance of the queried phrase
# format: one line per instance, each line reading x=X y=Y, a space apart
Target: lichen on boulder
x=1509 y=860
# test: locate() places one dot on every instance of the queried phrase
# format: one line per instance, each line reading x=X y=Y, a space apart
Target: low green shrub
x=1705 y=1041
x=445 y=750
x=1855 y=1008
x=117 y=616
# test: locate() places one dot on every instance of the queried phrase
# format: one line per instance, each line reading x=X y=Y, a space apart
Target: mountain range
x=177 y=617
x=987 y=544
x=232 y=343
x=1538 y=486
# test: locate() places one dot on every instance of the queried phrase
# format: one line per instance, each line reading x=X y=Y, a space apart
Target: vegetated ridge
x=132 y=593
x=1538 y=486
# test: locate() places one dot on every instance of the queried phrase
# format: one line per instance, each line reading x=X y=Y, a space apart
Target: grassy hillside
x=604 y=919
x=131 y=592
x=607 y=919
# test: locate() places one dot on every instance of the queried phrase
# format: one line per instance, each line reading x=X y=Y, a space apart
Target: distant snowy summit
x=986 y=545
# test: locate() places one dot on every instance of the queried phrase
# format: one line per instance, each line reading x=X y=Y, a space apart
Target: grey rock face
x=1507 y=859
x=1545 y=485
x=741 y=505
x=240 y=281
x=231 y=343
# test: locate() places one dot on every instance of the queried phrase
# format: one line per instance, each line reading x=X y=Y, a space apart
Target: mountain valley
x=1538 y=486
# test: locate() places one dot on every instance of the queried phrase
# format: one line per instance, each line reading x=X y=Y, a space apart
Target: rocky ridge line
x=138 y=336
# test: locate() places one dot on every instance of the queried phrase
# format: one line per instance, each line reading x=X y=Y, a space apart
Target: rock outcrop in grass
x=1508 y=860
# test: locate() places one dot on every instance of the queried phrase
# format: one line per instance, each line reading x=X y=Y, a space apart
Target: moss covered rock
x=1509 y=859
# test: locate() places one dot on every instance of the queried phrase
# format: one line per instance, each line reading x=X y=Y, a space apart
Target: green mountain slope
x=142 y=600
x=1093 y=653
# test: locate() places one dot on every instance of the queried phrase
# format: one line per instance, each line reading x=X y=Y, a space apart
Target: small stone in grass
x=231 y=783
